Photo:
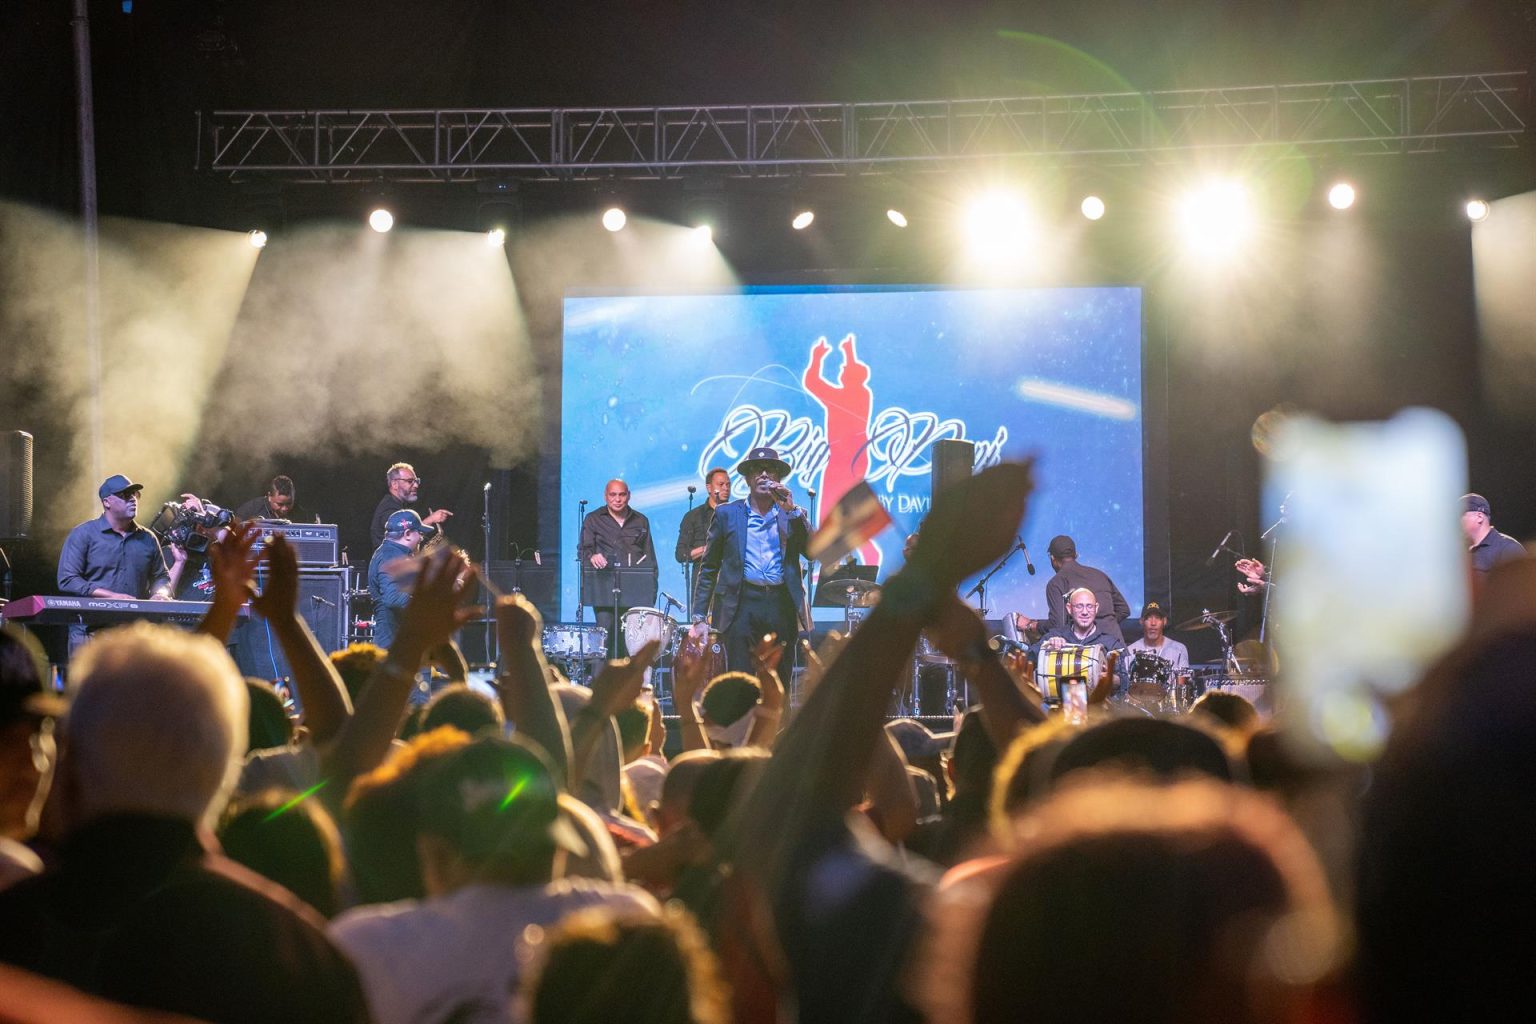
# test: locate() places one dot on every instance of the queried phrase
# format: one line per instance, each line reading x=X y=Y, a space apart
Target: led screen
x=860 y=382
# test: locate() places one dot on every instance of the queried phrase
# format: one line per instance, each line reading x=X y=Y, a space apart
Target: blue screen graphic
x=851 y=383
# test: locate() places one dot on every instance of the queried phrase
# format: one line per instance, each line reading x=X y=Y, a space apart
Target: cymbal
x=851 y=592
x=1206 y=620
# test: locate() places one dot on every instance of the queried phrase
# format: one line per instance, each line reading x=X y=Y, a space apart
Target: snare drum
x=642 y=625
x=573 y=642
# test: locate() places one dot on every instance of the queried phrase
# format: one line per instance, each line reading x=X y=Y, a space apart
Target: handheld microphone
x=692 y=489
x=1027 y=563
x=1222 y=546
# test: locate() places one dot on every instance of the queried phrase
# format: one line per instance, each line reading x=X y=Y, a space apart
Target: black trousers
x=761 y=610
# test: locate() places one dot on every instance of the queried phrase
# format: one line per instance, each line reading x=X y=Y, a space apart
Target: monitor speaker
x=15 y=484
x=952 y=462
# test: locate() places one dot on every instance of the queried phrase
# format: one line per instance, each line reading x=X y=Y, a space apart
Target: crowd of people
x=176 y=843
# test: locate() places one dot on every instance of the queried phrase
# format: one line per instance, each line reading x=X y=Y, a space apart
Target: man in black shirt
x=695 y=526
x=279 y=502
x=114 y=557
x=1070 y=575
x=1489 y=547
x=615 y=536
x=404 y=485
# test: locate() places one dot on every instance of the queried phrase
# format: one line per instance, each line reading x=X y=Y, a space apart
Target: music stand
x=616 y=587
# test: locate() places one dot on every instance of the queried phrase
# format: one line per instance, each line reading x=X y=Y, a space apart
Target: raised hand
x=518 y=623
x=958 y=631
x=1106 y=683
x=434 y=614
x=768 y=653
x=618 y=683
x=280 y=595
x=972 y=523
x=688 y=670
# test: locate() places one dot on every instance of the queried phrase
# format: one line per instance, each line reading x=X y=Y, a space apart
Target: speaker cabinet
x=952 y=462
x=15 y=484
x=324 y=604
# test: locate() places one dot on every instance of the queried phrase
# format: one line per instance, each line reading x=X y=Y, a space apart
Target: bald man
x=1083 y=630
x=616 y=536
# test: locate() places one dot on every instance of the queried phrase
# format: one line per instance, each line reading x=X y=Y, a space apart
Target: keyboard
x=67 y=609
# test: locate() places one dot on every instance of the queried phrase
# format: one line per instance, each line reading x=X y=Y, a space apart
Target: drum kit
x=579 y=650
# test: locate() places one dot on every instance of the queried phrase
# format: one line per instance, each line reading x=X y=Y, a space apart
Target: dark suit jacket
x=717 y=592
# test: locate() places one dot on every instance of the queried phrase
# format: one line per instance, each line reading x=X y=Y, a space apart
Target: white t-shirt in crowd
x=460 y=957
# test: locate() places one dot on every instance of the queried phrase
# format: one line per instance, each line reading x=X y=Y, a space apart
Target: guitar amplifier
x=315 y=543
x=325 y=603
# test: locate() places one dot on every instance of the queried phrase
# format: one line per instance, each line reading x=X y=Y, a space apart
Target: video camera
x=184 y=527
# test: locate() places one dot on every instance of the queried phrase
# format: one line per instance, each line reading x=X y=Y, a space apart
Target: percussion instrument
x=574 y=642
x=1066 y=662
x=642 y=625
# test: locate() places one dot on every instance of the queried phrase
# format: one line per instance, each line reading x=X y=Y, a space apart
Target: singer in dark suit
x=750 y=579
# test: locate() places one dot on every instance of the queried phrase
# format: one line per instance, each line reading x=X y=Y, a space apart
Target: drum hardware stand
x=1228 y=655
x=688 y=566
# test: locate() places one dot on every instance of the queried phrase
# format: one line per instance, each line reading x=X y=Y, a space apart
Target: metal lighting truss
x=1379 y=116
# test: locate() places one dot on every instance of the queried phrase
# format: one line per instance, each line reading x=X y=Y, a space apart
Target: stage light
x=257 y=238
x=802 y=220
x=1093 y=207
x=381 y=220
x=614 y=219
x=998 y=223
x=1216 y=218
x=496 y=238
x=1341 y=196
x=702 y=234
x=896 y=217
x=1477 y=210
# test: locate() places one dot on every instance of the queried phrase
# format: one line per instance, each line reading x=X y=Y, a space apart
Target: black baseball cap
x=117 y=484
x=1152 y=608
x=1476 y=503
x=1062 y=546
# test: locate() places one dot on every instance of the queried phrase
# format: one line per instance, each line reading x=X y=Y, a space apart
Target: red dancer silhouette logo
x=847 y=405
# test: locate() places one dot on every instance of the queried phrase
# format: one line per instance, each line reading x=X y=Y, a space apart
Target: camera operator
x=114 y=557
x=192 y=525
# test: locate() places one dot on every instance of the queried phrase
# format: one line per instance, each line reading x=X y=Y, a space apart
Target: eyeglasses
x=1083 y=607
x=407 y=479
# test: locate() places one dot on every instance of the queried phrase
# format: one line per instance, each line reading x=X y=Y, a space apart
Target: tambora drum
x=642 y=625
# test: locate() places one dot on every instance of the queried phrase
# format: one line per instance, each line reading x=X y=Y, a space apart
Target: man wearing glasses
x=404 y=485
x=114 y=557
x=1084 y=630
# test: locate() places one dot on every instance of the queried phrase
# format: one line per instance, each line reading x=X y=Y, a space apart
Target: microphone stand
x=688 y=566
x=1273 y=536
x=981 y=585
x=581 y=520
x=492 y=641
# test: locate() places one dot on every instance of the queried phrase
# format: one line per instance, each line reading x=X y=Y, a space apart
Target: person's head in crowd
x=924 y=749
x=634 y=724
x=1061 y=550
x=27 y=716
x=1157 y=747
x=599 y=965
x=355 y=663
x=402 y=482
x=1445 y=887
x=601 y=859
x=602 y=789
x=727 y=706
x=1082 y=608
x=268 y=724
x=1023 y=775
x=489 y=813
x=1197 y=901
x=157 y=725
x=289 y=840
x=379 y=820
x=722 y=785
x=465 y=709
x=1229 y=711
x=280 y=496
x=678 y=787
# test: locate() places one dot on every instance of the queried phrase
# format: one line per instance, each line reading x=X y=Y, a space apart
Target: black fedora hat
x=763 y=457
